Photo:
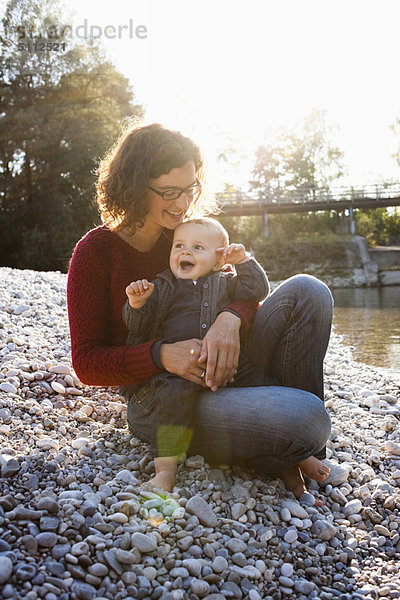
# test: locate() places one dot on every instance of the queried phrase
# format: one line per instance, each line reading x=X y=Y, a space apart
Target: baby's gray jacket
x=219 y=289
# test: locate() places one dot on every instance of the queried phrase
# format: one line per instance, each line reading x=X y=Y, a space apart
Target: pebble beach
x=75 y=525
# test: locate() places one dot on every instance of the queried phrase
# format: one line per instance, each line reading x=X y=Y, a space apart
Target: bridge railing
x=379 y=191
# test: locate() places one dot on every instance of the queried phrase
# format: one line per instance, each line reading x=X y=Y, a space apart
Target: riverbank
x=74 y=527
x=341 y=261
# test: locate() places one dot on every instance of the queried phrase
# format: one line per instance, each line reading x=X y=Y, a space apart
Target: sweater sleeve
x=96 y=360
x=245 y=309
x=140 y=320
x=251 y=282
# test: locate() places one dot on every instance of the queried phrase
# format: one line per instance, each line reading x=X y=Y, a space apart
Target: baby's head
x=194 y=248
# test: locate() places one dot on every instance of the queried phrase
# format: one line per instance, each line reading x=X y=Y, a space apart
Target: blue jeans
x=269 y=428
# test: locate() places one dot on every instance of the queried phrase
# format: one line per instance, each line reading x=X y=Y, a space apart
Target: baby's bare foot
x=164 y=480
x=314 y=468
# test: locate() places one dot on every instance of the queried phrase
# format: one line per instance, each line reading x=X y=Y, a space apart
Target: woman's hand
x=182 y=358
x=220 y=350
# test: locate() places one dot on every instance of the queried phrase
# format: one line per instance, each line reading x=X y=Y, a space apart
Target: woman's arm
x=96 y=358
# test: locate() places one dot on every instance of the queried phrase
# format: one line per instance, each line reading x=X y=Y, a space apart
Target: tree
x=304 y=158
x=268 y=173
x=311 y=160
x=60 y=112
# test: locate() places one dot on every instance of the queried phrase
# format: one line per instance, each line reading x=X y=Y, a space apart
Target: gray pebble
x=199 y=507
x=49 y=504
x=98 y=569
x=307 y=499
x=219 y=564
x=47 y=539
x=287 y=569
x=49 y=523
x=84 y=591
x=290 y=536
x=125 y=557
x=144 y=542
x=60 y=550
x=351 y=508
x=304 y=586
x=6 y=568
x=286 y=581
x=199 y=587
x=236 y=545
x=238 y=510
x=25 y=572
x=193 y=565
x=323 y=529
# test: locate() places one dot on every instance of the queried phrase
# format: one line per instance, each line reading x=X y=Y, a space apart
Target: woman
x=149 y=181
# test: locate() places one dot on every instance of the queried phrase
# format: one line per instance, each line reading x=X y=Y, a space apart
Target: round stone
x=49 y=504
x=84 y=591
x=47 y=539
x=144 y=542
x=287 y=570
x=8 y=387
x=290 y=536
x=219 y=564
x=199 y=587
x=6 y=569
x=98 y=570
x=119 y=517
x=25 y=572
x=307 y=499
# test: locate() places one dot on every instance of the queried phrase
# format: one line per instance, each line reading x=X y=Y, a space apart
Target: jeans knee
x=314 y=291
x=319 y=425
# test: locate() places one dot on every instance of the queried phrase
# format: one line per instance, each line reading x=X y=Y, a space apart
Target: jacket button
x=205 y=303
x=203 y=325
x=205 y=285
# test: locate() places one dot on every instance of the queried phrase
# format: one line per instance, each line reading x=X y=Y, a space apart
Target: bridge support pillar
x=352 y=224
x=266 y=227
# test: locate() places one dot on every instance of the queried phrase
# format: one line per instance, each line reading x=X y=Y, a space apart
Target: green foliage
x=380 y=227
x=60 y=112
x=296 y=243
x=316 y=254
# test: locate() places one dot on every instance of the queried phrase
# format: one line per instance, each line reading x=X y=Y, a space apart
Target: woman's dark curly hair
x=140 y=154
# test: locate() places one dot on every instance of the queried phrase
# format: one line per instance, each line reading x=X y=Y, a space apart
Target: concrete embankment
x=387 y=259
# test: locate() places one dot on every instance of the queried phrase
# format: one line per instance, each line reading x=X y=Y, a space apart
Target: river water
x=369 y=318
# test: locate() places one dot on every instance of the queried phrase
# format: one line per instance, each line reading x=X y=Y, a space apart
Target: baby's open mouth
x=185 y=265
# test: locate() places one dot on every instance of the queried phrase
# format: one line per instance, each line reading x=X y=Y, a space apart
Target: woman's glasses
x=191 y=191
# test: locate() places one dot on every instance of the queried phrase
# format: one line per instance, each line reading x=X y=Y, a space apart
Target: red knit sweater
x=101 y=267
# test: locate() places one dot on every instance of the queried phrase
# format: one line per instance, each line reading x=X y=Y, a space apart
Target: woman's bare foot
x=314 y=469
x=293 y=480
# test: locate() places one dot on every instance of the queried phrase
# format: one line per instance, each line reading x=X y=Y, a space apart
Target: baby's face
x=194 y=251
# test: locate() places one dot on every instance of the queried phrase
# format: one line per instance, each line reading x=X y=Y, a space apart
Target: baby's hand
x=234 y=254
x=138 y=292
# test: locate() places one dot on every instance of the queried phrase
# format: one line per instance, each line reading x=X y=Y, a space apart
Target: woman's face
x=169 y=214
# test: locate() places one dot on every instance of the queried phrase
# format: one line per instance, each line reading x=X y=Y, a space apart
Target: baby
x=182 y=303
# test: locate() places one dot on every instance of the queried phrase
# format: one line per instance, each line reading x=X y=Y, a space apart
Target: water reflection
x=370 y=318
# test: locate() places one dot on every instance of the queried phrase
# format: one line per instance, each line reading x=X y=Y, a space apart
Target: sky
x=226 y=72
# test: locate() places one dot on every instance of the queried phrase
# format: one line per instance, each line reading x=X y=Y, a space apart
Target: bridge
x=338 y=199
